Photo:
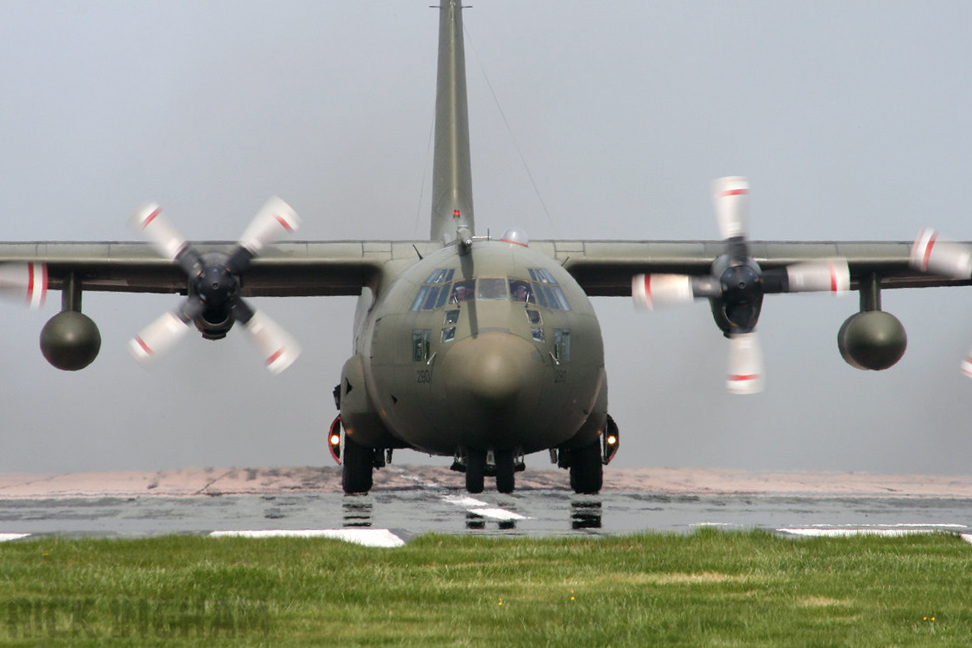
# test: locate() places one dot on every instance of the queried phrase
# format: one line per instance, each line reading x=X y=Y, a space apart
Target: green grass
x=707 y=589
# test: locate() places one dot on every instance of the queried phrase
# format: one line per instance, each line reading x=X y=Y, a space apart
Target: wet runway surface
x=409 y=512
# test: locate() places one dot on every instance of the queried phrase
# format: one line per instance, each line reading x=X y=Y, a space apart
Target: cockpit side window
x=440 y=275
x=431 y=298
x=435 y=290
x=548 y=293
x=555 y=298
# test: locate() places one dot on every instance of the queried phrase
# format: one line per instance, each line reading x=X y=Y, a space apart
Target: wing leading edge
x=301 y=269
x=605 y=268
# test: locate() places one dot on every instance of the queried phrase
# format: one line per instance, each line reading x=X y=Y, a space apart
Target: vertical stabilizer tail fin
x=452 y=202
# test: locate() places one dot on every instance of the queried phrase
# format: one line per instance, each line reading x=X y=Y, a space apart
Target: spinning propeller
x=736 y=284
x=936 y=255
x=214 y=303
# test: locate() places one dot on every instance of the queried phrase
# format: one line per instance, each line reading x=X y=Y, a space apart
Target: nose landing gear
x=478 y=464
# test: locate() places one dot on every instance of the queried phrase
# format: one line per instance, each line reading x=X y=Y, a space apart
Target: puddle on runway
x=526 y=513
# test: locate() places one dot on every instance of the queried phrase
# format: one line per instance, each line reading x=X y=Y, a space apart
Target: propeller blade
x=966 y=366
x=158 y=338
x=150 y=222
x=654 y=290
x=24 y=282
x=745 y=375
x=277 y=347
x=941 y=256
x=730 y=196
x=828 y=275
x=274 y=220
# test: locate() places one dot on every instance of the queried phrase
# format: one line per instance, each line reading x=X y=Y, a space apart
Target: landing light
x=611 y=440
x=334 y=440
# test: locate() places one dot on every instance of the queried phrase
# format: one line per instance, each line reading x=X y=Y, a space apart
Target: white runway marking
x=875 y=529
x=365 y=537
x=4 y=537
x=485 y=509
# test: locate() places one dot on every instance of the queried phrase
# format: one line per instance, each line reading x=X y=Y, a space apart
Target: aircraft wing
x=605 y=268
x=326 y=268
x=283 y=270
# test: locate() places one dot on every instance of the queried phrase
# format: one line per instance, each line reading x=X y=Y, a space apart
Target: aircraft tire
x=359 y=462
x=586 y=469
x=505 y=471
x=475 y=470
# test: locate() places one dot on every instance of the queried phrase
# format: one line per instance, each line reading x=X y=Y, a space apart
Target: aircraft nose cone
x=492 y=378
x=492 y=383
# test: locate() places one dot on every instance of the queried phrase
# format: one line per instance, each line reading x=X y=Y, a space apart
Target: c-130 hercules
x=477 y=348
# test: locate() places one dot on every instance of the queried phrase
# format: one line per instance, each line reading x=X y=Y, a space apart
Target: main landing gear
x=478 y=464
x=586 y=469
x=357 y=462
x=586 y=464
x=357 y=469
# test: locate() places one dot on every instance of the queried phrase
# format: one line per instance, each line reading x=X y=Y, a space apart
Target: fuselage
x=496 y=348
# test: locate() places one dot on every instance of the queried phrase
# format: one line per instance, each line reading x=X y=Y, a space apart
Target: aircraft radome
x=480 y=348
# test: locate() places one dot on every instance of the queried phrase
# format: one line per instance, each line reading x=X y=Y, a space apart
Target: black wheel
x=359 y=462
x=475 y=470
x=586 y=469
x=505 y=471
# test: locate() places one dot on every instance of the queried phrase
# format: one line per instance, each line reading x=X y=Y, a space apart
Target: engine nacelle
x=872 y=340
x=70 y=340
x=214 y=325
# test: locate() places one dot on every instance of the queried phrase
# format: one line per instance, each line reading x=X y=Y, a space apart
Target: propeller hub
x=741 y=284
x=216 y=285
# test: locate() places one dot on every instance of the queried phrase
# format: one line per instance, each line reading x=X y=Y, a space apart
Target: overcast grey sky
x=852 y=120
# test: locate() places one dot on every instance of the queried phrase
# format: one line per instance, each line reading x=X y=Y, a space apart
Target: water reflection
x=585 y=514
x=357 y=511
x=476 y=522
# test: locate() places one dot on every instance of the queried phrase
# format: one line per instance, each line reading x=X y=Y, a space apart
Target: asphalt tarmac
x=410 y=511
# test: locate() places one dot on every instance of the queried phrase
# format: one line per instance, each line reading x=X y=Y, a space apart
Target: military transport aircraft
x=480 y=348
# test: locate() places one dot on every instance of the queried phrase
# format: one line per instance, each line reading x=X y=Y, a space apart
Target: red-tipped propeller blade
x=745 y=374
x=657 y=290
x=149 y=221
x=158 y=338
x=931 y=253
x=277 y=347
x=274 y=220
x=827 y=275
x=730 y=197
x=24 y=282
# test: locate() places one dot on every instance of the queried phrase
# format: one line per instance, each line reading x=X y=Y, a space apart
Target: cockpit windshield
x=462 y=291
x=521 y=291
x=492 y=289
x=540 y=289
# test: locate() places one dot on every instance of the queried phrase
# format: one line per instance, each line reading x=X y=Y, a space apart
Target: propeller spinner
x=736 y=284
x=214 y=285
